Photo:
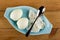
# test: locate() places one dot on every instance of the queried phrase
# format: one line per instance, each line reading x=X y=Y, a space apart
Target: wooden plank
x=53 y=32
x=3 y=22
x=54 y=18
x=11 y=34
x=7 y=32
x=52 y=5
x=56 y=36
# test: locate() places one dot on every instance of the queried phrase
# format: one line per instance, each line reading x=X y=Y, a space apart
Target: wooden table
x=7 y=32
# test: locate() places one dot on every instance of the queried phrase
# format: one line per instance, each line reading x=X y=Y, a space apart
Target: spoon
x=40 y=11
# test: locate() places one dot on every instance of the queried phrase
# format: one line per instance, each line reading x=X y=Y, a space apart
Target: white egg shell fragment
x=39 y=24
x=16 y=14
x=32 y=15
x=22 y=23
x=34 y=29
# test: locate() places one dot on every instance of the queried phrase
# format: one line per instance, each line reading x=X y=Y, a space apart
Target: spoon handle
x=31 y=27
x=40 y=12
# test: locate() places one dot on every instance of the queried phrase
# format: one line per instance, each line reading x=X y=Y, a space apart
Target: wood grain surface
x=7 y=32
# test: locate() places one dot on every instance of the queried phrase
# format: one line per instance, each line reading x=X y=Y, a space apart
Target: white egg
x=34 y=29
x=39 y=24
x=22 y=23
x=16 y=14
x=32 y=15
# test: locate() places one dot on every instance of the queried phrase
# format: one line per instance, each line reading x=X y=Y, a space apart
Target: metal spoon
x=41 y=9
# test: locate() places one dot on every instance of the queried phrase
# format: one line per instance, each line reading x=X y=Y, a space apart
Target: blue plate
x=46 y=30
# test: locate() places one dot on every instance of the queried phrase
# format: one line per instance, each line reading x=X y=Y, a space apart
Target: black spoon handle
x=31 y=27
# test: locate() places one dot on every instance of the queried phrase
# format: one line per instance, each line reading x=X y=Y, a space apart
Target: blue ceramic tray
x=46 y=30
